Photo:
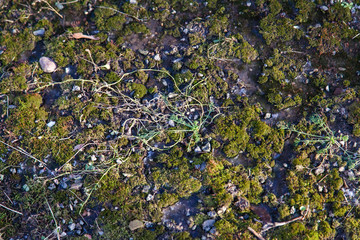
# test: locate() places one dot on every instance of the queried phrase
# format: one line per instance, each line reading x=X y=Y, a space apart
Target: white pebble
x=47 y=65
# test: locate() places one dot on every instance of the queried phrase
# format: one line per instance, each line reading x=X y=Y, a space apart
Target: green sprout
x=330 y=143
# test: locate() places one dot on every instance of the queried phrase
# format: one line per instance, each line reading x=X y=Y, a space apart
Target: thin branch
x=258 y=235
x=125 y=14
x=12 y=210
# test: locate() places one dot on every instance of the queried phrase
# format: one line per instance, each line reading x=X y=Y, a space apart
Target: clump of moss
x=276 y=28
x=16 y=81
x=139 y=89
x=29 y=116
x=354 y=118
x=15 y=45
x=278 y=78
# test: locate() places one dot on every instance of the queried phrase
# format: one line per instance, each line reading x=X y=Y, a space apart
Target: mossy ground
x=248 y=108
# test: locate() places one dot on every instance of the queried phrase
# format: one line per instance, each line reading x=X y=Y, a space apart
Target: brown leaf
x=81 y=35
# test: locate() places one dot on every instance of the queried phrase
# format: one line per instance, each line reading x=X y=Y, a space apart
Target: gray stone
x=208 y=224
x=243 y=204
x=47 y=65
x=324 y=8
x=72 y=226
x=197 y=149
x=157 y=57
x=211 y=214
x=136 y=224
x=39 y=32
x=149 y=197
x=207 y=147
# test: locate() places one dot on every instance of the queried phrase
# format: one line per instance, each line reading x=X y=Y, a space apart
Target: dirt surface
x=179 y=119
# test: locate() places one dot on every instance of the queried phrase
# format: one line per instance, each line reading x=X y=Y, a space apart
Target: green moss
x=28 y=116
x=352 y=228
x=225 y=228
x=17 y=81
x=284 y=211
x=325 y=230
x=139 y=90
x=167 y=199
x=15 y=45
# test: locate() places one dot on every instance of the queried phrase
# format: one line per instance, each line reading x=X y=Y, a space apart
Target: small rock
x=324 y=8
x=319 y=171
x=76 y=88
x=72 y=226
x=213 y=230
x=207 y=147
x=157 y=57
x=51 y=124
x=149 y=197
x=136 y=224
x=47 y=65
x=63 y=185
x=146 y=189
x=133 y=1
x=208 y=224
x=93 y=158
x=197 y=149
x=143 y=52
x=51 y=186
x=211 y=214
x=76 y=186
x=292 y=210
x=171 y=123
x=39 y=32
x=267 y=115
x=26 y=188
x=63 y=234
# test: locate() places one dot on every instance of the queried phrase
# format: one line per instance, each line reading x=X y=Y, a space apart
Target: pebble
x=72 y=226
x=197 y=149
x=63 y=185
x=157 y=57
x=267 y=115
x=171 y=123
x=149 y=197
x=146 y=189
x=39 y=32
x=207 y=147
x=26 y=188
x=51 y=186
x=51 y=124
x=211 y=214
x=324 y=8
x=133 y=1
x=135 y=224
x=76 y=88
x=47 y=65
x=76 y=186
x=208 y=224
x=144 y=52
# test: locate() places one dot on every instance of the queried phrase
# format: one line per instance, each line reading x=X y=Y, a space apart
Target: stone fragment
x=71 y=226
x=208 y=224
x=157 y=57
x=136 y=224
x=47 y=65
x=324 y=8
x=39 y=32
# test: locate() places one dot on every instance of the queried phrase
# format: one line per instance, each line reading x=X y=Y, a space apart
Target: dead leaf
x=81 y=35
